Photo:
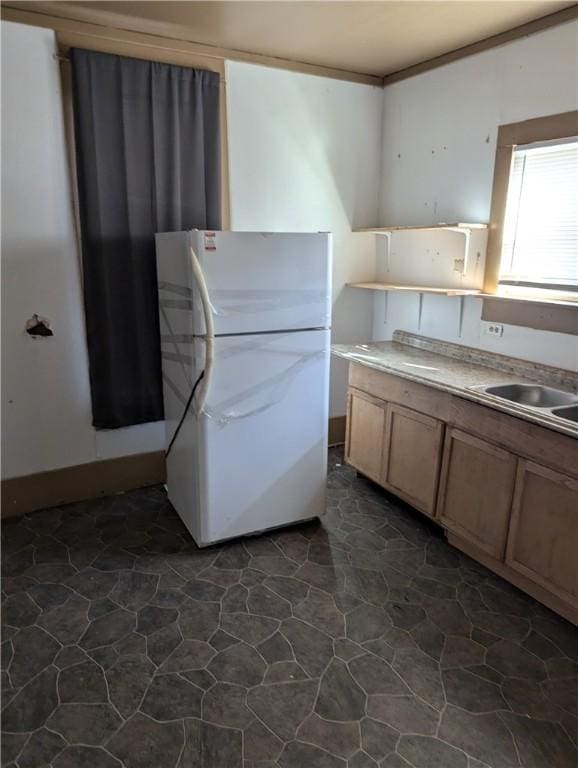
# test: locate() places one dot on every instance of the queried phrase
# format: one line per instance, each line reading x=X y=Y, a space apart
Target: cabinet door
x=412 y=456
x=365 y=433
x=477 y=485
x=543 y=537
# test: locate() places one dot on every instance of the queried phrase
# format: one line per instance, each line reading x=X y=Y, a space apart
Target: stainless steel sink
x=570 y=412
x=532 y=394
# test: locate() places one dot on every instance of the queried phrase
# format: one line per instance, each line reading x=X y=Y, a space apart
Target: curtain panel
x=148 y=160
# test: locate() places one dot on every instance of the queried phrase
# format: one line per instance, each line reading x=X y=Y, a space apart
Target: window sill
x=535 y=295
x=540 y=309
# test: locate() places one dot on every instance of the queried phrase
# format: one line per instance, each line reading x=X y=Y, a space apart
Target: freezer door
x=260 y=453
x=265 y=281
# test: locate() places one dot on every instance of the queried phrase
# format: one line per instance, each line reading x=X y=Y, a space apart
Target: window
x=540 y=231
x=531 y=273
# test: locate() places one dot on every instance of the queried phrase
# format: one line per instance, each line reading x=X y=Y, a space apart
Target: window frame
x=511 y=135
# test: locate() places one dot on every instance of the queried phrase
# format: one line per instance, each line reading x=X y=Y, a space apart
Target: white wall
x=46 y=414
x=439 y=144
x=304 y=155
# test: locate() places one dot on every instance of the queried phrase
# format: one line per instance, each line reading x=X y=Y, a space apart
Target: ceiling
x=376 y=38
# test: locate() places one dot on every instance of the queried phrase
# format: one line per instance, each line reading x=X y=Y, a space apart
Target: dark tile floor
x=361 y=641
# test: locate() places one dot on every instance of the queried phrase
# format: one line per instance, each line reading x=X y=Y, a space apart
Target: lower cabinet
x=543 y=538
x=476 y=490
x=365 y=434
x=412 y=454
x=511 y=513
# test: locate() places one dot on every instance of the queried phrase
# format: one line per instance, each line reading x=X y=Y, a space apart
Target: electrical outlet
x=493 y=329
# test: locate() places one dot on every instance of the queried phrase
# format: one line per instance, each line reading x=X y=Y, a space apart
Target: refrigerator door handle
x=199 y=277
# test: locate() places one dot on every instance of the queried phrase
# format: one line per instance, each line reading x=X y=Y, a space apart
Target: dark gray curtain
x=147 y=145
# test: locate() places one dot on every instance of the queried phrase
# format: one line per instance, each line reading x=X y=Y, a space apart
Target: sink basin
x=570 y=412
x=532 y=394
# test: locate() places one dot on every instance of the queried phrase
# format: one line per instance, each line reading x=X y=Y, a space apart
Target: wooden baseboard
x=336 y=430
x=517 y=579
x=84 y=481
x=98 y=478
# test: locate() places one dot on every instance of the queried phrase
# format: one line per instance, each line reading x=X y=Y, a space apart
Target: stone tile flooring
x=361 y=641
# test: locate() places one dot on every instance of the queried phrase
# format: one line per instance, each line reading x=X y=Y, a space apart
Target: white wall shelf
x=467 y=230
x=416 y=289
x=460 y=225
x=386 y=288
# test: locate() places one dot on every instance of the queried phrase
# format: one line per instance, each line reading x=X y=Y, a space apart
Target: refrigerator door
x=264 y=281
x=257 y=458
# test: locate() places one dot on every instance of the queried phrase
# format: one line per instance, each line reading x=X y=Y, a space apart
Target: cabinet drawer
x=412 y=456
x=477 y=485
x=543 y=536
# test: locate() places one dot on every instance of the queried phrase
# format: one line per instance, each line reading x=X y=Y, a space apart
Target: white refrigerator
x=252 y=313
